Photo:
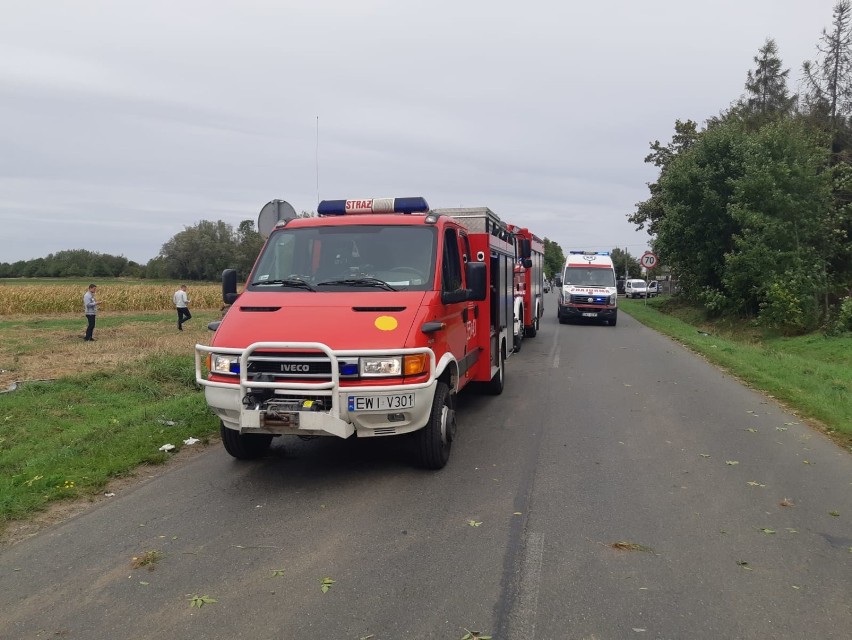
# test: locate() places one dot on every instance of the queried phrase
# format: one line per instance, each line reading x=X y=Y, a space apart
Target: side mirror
x=526 y=248
x=476 y=275
x=451 y=297
x=213 y=326
x=229 y=286
x=528 y=263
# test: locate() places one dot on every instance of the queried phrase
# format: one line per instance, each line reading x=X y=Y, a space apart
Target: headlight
x=381 y=366
x=219 y=363
x=389 y=366
x=613 y=298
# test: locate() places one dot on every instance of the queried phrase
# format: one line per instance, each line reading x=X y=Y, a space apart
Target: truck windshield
x=347 y=258
x=585 y=277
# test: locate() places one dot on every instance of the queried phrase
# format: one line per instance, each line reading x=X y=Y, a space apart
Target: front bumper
x=573 y=311
x=229 y=400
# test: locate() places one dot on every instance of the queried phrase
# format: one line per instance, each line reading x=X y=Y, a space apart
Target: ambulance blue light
x=590 y=253
x=372 y=205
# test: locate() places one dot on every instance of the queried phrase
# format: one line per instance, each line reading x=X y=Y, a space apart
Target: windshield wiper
x=359 y=282
x=298 y=283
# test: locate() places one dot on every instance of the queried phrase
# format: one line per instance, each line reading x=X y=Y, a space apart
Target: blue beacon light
x=372 y=205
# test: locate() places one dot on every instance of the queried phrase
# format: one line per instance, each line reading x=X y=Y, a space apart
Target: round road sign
x=648 y=260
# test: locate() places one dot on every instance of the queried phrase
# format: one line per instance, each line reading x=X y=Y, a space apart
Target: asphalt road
x=621 y=487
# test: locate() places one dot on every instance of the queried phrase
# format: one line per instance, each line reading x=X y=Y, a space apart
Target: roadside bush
x=844 y=316
x=713 y=300
x=789 y=306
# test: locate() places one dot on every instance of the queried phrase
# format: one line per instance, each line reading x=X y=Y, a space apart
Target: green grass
x=68 y=438
x=811 y=374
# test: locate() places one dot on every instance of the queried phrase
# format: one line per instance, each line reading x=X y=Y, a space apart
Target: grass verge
x=811 y=374
x=107 y=408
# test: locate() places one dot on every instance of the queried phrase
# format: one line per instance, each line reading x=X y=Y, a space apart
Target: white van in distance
x=640 y=289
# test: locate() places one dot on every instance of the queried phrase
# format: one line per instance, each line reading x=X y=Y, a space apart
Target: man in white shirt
x=181 y=301
x=90 y=308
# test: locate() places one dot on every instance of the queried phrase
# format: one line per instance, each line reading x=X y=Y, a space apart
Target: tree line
x=199 y=252
x=753 y=213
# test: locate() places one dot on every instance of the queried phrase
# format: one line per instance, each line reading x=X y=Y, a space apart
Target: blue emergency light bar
x=372 y=205
x=590 y=253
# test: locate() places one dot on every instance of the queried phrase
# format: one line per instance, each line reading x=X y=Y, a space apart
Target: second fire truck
x=529 y=284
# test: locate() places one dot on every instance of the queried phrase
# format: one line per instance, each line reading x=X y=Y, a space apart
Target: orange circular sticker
x=386 y=323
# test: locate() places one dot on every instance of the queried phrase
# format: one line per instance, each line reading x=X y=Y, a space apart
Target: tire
x=562 y=320
x=613 y=321
x=533 y=330
x=244 y=446
x=434 y=441
x=518 y=338
x=495 y=386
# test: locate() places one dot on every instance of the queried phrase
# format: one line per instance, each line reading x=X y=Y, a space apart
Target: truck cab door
x=457 y=313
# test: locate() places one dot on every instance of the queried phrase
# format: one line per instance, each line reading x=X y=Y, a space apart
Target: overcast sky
x=122 y=122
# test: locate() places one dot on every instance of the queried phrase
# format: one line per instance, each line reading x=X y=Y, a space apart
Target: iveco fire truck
x=529 y=284
x=366 y=320
x=588 y=290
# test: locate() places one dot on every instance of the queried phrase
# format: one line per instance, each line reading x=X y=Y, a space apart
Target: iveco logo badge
x=295 y=367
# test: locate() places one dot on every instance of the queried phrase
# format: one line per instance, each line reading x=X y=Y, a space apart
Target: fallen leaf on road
x=731 y=463
x=767 y=531
x=786 y=502
x=200 y=601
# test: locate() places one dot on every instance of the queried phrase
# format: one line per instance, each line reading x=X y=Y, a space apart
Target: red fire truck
x=366 y=320
x=529 y=284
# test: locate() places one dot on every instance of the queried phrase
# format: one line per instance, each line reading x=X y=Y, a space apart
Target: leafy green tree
x=782 y=206
x=155 y=269
x=625 y=263
x=200 y=252
x=554 y=258
x=651 y=211
x=696 y=230
x=249 y=244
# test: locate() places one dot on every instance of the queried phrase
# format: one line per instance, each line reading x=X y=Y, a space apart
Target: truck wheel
x=495 y=386
x=245 y=446
x=613 y=320
x=517 y=338
x=533 y=330
x=436 y=438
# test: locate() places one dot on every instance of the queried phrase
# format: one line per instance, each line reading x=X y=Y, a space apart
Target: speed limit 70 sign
x=648 y=260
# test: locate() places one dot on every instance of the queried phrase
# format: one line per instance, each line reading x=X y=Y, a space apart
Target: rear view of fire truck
x=529 y=284
x=367 y=320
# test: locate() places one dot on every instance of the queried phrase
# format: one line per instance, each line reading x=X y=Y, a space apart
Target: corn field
x=112 y=296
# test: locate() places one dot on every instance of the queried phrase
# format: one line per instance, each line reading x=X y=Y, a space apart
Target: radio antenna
x=317 y=161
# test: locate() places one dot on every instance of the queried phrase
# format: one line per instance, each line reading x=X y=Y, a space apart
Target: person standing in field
x=90 y=308
x=181 y=301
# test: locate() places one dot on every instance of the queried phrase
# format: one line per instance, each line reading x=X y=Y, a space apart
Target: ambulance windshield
x=348 y=257
x=589 y=277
